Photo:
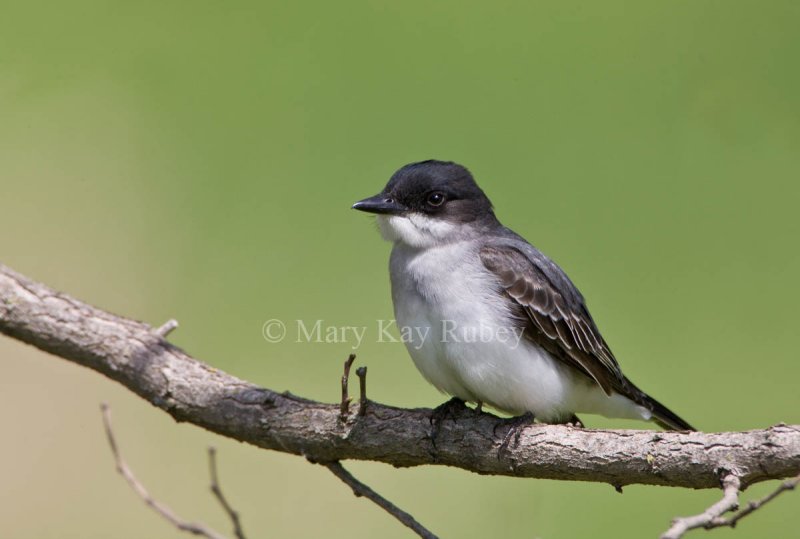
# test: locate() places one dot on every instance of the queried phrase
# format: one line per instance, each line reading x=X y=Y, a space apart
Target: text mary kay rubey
x=318 y=331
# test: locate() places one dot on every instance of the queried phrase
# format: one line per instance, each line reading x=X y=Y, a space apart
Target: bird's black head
x=438 y=189
x=430 y=203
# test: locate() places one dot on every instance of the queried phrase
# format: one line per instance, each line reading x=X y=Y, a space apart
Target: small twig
x=362 y=384
x=753 y=505
x=217 y=491
x=729 y=502
x=158 y=507
x=360 y=489
x=166 y=328
x=345 y=406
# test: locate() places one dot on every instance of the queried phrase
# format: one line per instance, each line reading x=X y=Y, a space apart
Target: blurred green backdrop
x=197 y=160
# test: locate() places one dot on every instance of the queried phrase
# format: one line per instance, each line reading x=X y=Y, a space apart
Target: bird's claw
x=515 y=427
x=447 y=410
x=574 y=422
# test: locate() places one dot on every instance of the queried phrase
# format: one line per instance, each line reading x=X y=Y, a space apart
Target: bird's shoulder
x=511 y=252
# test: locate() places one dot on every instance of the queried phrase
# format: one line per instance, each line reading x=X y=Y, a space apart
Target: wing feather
x=556 y=311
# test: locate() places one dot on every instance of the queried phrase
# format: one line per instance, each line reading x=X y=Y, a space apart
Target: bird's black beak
x=380 y=203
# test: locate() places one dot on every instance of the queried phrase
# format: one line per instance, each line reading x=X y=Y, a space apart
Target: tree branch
x=362 y=384
x=135 y=355
x=729 y=502
x=125 y=471
x=216 y=490
x=344 y=406
x=785 y=486
x=360 y=489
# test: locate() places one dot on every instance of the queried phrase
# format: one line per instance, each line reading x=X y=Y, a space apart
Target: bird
x=486 y=317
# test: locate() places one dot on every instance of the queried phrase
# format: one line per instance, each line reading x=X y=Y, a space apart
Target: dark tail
x=663 y=416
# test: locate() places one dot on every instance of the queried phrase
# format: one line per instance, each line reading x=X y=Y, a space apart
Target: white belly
x=466 y=344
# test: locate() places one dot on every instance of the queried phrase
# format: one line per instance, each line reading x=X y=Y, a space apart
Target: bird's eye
x=436 y=199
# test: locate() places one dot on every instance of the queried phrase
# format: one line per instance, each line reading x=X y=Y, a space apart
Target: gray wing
x=558 y=318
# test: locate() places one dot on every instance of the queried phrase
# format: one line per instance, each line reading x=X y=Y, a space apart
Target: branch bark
x=137 y=356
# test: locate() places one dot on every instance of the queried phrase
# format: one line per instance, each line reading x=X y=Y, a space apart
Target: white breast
x=447 y=291
x=440 y=291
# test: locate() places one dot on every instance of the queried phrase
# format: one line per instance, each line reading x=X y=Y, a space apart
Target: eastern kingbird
x=466 y=286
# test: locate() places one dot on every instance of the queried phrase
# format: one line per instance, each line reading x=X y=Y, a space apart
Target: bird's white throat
x=416 y=229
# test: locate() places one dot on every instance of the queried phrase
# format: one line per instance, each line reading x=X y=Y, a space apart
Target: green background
x=197 y=160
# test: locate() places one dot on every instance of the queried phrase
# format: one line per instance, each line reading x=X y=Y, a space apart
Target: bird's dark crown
x=417 y=186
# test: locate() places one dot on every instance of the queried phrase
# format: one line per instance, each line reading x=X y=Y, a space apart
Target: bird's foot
x=515 y=427
x=573 y=421
x=448 y=410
